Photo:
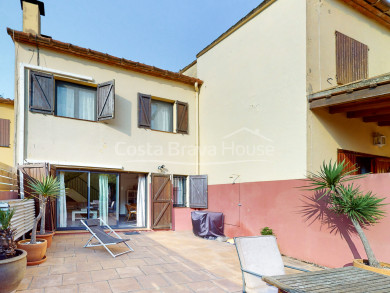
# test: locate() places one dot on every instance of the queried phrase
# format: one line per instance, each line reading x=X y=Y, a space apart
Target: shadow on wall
x=123 y=114
x=316 y=208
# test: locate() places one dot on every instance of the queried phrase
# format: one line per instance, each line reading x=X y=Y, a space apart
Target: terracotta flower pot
x=363 y=264
x=12 y=271
x=48 y=237
x=35 y=252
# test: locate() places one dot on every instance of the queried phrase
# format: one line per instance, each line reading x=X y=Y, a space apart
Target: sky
x=163 y=33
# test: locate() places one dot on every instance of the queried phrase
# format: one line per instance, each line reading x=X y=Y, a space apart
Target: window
x=72 y=100
x=179 y=191
x=161 y=116
x=4 y=132
x=158 y=115
x=351 y=59
x=365 y=163
x=75 y=101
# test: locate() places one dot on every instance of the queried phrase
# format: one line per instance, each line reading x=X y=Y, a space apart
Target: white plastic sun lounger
x=104 y=239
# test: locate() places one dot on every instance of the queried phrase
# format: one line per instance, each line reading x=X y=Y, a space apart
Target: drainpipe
x=20 y=125
x=197 y=129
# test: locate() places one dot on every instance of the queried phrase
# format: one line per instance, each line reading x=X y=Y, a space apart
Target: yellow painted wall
x=118 y=142
x=252 y=102
x=31 y=18
x=324 y=17
x=326 y=132
x=7 y=153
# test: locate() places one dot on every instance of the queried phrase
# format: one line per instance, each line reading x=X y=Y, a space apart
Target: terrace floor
x=163 y=261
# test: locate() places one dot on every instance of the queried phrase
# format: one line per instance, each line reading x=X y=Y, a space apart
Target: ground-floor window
x=365 y=163
x=90 y=195
x=179 y=191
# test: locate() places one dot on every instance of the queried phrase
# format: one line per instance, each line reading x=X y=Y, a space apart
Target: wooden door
x=161 y=201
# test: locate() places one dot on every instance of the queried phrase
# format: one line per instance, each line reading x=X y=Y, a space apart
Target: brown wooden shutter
x=5 y=132
x=349 y=159
x=198 y=191
x=351 y=59
x=144 y=110
x=41 y=92
x=182 y=117
x=106 y=100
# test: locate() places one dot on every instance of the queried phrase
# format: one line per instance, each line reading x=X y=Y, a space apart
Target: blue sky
x=164 y=33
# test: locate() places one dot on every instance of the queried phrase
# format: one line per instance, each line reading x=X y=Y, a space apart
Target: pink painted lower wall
x=8 y=195
x=304 y=227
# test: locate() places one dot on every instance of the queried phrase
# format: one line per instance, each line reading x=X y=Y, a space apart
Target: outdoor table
x=347 y=279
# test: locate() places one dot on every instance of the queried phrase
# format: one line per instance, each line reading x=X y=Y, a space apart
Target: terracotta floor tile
x=37 y=271
x=150 y=270
x=62 y=269
x=52 y=261
x=32 y=291
x=76 y=259
x=175 y=289
x=95 y=287
x=40 y=282
x=127 y=272
x=197 y=276
x=103 y=275
x=62 y=289
x=152 y=281
x=134 y=262
x=25 y=283
x=124 y=285
x=205 y=286
x=154 y=261
x=177 y=278
x=110 y=264
x=87 y=267
x=77 y=278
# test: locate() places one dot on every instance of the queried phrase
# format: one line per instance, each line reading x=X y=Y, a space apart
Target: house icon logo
x=243 y=130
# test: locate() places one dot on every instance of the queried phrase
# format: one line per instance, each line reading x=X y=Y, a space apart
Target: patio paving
x=165 y=261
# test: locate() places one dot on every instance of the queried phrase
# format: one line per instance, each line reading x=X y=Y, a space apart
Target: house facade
x=234 y=132
x=7 y=131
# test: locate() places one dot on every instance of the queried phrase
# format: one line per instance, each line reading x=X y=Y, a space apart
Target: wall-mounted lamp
x=162 y=168
x=379 y=139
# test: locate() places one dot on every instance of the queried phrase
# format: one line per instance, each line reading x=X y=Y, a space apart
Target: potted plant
x=12 y=260
x=42 y=190
x=362 y=208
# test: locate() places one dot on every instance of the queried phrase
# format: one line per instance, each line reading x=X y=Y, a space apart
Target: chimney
x=32 y=11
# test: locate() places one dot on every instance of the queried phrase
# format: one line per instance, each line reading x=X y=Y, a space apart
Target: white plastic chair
x=259 y=256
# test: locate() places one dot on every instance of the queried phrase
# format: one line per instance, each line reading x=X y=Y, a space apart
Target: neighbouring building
x=290 y=85
x=7 y=131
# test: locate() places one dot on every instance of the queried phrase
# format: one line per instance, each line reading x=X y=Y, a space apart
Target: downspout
x=20 y=126
x=197 y=129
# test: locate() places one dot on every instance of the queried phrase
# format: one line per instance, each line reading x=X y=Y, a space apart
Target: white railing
x=23 y=219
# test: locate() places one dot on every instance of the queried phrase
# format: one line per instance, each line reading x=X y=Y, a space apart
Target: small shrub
x=267 y=231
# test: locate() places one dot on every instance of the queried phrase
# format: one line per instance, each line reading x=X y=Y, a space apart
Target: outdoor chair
x=104 y=239
x=131 y=211
x=259 y=256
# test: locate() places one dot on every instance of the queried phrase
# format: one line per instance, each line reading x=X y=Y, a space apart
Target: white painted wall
x=254 y=96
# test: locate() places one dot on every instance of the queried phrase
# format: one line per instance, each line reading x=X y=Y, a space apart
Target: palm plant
x=7 y=243
x=49 y=186
x=361 y=208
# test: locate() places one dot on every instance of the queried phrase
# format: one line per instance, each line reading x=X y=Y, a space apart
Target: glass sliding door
x=87 y=195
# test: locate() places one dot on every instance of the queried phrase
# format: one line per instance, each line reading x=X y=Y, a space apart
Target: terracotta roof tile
x=67 y=48
x=6 y=101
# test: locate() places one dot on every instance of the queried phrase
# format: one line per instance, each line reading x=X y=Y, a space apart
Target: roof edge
x=257 y=10
x=70 y=49
x=6 y=101
x=188 y=66
x=357 y=85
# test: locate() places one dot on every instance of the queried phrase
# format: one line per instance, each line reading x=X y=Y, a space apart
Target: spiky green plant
x=361 y=208
x=7 y=243
x=267 y=231
x=49 y=186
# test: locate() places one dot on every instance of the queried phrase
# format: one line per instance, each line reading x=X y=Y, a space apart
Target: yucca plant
x=361 y=208
x=49 y=186
x=7 y=243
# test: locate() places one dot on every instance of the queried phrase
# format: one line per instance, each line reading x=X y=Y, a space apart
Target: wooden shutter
x=351 y=59
x=349 y=159
x=182 y=117
x=161 y=201
x=106 y=100
x=198 y=191
x=144 y=110
x=41 y=92
x=5 y=132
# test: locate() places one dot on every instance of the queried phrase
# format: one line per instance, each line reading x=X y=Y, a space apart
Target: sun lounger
x=103 y=238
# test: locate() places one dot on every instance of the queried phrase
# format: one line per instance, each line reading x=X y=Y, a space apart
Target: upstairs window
x=351 y=59
x=158 y=115
x=75 y=101
x=66 y=99
x=5 y=133
x=161 y=116
x=179 y=191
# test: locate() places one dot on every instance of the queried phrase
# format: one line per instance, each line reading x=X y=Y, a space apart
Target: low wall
x=5 y=195
x=304 y=227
